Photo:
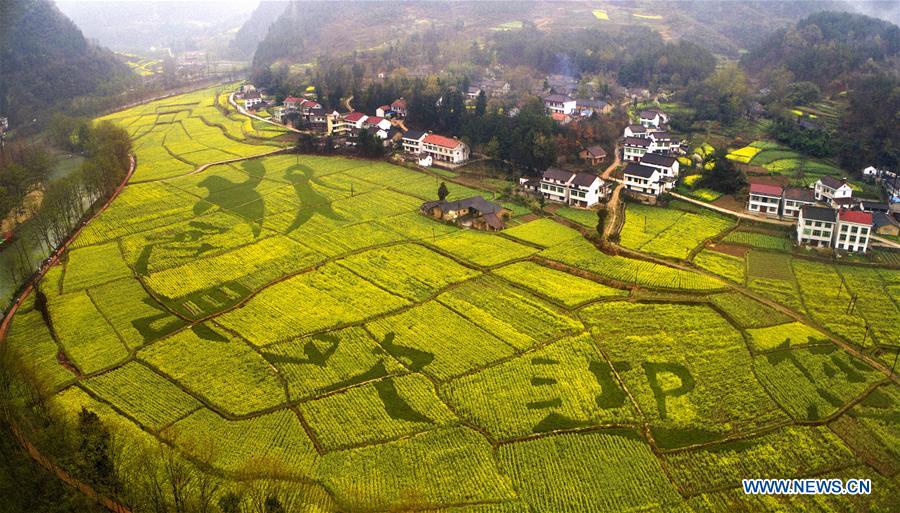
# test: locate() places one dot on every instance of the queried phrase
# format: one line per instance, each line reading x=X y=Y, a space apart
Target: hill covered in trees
x=255 y=29
x=45 y=62
x=828 y=49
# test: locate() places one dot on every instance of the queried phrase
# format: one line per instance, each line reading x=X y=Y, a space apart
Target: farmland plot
x=483 y=249
x=542 y=232
x=668 y=232
x=323 y=299
x=812 y=383
x=561 y=287
x=727 y=266
x=881 y=313
x=604 y=471
x=684 y=397
x=31 y=341
x=219 y=368
x=94 y=265
x=408 y=270
x=746 y=312
x=135 y=316
x=275 y=441
x=580 y=253
x=514 y=316
x=827 y=299
x=330 y=361
x=565 y=385
x=87 y=339
x=444 y=466
x=793 y=451
x=783 y=336
x=143 y=395
x=386 y=409
x=433 y=339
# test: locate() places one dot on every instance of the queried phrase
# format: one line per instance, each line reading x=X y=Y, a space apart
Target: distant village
x=826 y=214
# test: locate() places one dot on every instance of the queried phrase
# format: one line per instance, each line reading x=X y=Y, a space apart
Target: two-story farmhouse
x=668 y=167
x=795 y=198
x=653 y=117
x=853 y=230
x=252 y=99
x=815 y=226
x=576 y=189
x=559 y=103
x=642 y=179
x=765 y=198
x=445 y=149
x=633 y=148
x=829 y=189
x=636 y=131
x=412 y=141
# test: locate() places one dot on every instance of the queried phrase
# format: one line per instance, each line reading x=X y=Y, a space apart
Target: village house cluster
x=827 y=214
x=650 y=152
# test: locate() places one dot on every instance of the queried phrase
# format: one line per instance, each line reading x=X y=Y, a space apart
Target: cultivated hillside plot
x=298 y=313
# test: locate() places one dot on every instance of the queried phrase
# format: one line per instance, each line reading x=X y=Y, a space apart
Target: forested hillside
x=255 y=29
x=828 y=48
x=45 y=62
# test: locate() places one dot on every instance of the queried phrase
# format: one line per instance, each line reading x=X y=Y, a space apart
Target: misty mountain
x=138 y=26
x=45 y=61
x=255 y=29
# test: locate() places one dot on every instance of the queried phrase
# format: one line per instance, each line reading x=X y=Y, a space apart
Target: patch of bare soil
x=730 y=249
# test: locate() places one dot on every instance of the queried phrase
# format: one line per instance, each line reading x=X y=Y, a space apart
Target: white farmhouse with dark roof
x=636 y=131
x=559 y=103
x=796 y=198
x=829 y=188
x=653 y=117
x=661 y=142
x=586 y=190
x=815 y=226
x=252 y=99
x=555 y=184
x=633 y=148
x=642 y=179
x=667 y=166
x=412 y=141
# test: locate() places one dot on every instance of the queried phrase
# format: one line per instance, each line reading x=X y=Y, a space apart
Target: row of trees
x=65 y=201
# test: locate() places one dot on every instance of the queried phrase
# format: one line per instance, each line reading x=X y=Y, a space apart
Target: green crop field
x=669 y=232
x=293 y=320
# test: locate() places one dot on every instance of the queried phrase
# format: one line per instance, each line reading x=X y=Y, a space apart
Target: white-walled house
x=661 y=142
x=445 y=149
x=815 y=226
x=765 y=198
x=829 y=188
x=871 y=172
x=653 y=117
x=853 y=230
x=586 y=190
x=559 y=103
x=796 y=198
x=668 y=167
x=576 y=189
x=633 y=148
x=252 y=99
x=555 y=184
x=636 y=131
x=412 y=141
x=642 y=179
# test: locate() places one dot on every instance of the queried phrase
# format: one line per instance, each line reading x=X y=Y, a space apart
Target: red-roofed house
x=379 y=122
x=292 y=102
x=445 y=149
x=383 y=110
x=765 y=198
x=399 y=106
x=351 y=122
x=853 y=230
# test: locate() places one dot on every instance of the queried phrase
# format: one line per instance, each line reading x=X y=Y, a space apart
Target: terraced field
x=300 y=315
